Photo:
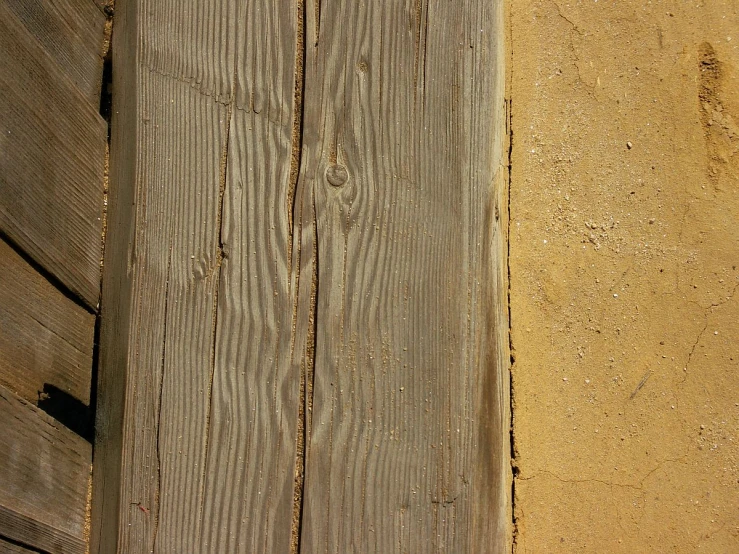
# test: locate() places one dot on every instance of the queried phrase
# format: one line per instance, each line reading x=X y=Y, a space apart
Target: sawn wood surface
x=44 y=476
x=52 y=156
x=71 y=33
x=45 y=338
x=304 y=339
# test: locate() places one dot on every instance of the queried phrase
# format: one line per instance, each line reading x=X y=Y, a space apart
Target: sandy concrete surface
x=624 y=272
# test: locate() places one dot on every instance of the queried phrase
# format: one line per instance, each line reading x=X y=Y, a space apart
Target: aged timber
x=304 y=328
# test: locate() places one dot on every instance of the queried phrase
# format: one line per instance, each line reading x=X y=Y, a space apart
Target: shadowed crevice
x=68 y=410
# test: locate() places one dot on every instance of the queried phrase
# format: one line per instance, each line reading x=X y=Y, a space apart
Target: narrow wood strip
x=117 y=293
x=45 y=338
x=52 y=147
x=250 y=473
x=44 y=475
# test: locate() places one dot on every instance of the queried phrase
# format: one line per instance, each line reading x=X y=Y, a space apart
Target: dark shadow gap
x=20 y=544
x=92 y=408
x=106 y=111
x=106 y=89
x=511 y=349
x=296 y=162
x=68 y=410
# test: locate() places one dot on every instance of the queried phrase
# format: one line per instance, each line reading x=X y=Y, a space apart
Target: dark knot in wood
x=336 y=175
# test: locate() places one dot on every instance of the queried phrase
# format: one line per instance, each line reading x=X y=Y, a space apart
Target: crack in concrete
x=638 y=486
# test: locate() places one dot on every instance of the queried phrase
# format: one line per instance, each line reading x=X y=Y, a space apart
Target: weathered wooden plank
x=71 y=33
x=44 y=476
x=174 y=264
x=168 y=157
x=52 y=151
x=209 y=447
x=45 y=338
x=229 y=291
x=205 y=155
x=407 y=450
x=251 y=464
x=10 y=548
x=116 y=317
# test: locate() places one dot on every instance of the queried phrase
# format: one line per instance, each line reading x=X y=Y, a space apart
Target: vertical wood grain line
x=295 y=163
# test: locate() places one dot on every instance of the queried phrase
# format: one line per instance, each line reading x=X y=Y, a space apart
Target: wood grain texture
x=71 y=33
x=201 y=156
x=117 y=293
x=44 y=336
x=403 y=138
x=44 y=474
x=52 y=151
x=249 y=477
x=356 y=311
x=10 y=548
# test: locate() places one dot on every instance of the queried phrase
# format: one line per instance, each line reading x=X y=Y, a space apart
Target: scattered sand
x=625 y=274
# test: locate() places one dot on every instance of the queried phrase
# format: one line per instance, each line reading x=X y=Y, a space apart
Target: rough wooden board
x=10 y=548
x=116 y=317
x=404 y=118
x=250 y=473
x=44 y=472
x=175 y=269
x=71 y=33
x=44 y=336
x=52 y=148
x=195 y=232
x=160 y=284
x=208 y=296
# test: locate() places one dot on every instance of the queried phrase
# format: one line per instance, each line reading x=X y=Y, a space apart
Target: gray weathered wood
x=71 y=33
x=44 y=476
x=171 y=242
x=358 y=312
x=44 y=336
x=408 y=447
x=52 y=151
x=208 y=445
x=10 y=548
x=251 y=464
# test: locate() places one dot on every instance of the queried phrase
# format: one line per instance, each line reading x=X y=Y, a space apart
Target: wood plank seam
x=55 y=230
x=10 y=546
x=158 y=448
x=411 y=201
x=304 y=401
x=46 y=274
x=512 y=534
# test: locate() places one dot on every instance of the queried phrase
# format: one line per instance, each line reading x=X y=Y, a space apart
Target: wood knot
x=336 y=175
